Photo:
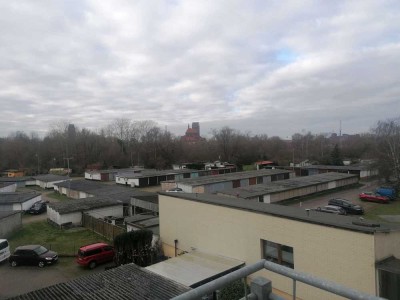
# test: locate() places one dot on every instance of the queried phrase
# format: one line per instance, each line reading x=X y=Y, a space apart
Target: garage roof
x=285 y=185
x=124 y=282
x=195 y=268
x=17 y=197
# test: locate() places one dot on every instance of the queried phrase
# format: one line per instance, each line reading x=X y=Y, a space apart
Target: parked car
x=95 y=254
x=33 y=255
x=332 y=209
x=175 y=190
x=371 y=196
x=349 y=207
x=4 y=250
x=38 y=208
x=387 y=191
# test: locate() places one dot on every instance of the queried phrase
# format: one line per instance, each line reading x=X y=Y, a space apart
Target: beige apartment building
x=347 y=250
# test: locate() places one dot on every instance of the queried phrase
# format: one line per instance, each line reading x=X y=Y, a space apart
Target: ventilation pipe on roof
x=176 y=247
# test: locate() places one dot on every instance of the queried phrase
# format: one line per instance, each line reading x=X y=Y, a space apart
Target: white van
x=4 y=250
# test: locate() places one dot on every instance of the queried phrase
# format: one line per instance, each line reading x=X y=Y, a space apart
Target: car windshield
x=36 y=205
x=40 y=250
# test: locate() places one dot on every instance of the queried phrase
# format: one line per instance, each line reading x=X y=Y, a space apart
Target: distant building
x=192 y=135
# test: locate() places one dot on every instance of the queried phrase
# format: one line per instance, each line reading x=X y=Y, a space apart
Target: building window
x=260 y=198
x=277 y=253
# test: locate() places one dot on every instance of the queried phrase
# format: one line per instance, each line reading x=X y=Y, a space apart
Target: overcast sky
x=273 y=67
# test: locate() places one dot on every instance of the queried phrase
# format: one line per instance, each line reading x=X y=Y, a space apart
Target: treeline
x=125 y=143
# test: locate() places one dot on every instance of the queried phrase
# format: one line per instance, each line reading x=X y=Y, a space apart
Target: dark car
x=370 y=196
x=349 y=207
x=175 y=190
x=332 y=209
x=38 y=208
x=33 y=255
x=95 y=254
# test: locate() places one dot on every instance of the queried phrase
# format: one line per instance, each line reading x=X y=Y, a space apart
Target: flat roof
x=252 y=191
x=124 y=282
x=288 y=212
x=76 y=205
x=153 y=173
x=17 y=197
x=344 y=168
x=50 y=177
x=195 y=268
x=105 y=189
x=203 y=180
x=4 y=184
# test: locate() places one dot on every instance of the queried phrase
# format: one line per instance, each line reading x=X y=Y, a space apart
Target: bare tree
x=388 y=147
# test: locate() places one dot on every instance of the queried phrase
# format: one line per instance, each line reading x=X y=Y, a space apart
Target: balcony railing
x=261 y=288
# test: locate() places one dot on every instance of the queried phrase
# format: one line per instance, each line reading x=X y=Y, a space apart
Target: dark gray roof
x=230 y=177
x=17 y=197
x=288 y=212
x=153 y=173
x=5 y=214
x=253 y=191
x=75 y=205
x=100 y=189
x=50 y=177
x=341 y=168
x=125 y=282
x=138 y=218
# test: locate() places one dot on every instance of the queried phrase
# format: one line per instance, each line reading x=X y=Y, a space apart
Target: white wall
x=27 y=204
x=9 y=188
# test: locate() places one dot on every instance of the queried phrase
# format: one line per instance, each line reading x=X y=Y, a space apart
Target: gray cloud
x=261 y=66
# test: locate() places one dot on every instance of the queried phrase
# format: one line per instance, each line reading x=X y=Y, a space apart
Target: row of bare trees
x=124 y=143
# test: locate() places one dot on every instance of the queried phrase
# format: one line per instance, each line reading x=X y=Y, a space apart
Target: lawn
x=65 y=242
x=58 y=196
x=393 y=208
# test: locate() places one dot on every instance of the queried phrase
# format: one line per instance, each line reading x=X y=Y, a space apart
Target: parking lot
x=349 y=194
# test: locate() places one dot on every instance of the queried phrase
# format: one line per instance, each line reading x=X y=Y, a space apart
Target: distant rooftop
x=50 y=177
x=284 y=185
x=230 y=176
x=358 y=167
x=125 y=282
x=294 y=213
x=152 y=173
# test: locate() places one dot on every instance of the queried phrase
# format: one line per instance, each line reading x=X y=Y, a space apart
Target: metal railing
x=262 y=288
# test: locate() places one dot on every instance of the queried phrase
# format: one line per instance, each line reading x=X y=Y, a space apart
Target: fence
x=108 y=230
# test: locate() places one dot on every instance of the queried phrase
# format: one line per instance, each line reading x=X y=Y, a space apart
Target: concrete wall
x=10 y=224
x=343 y=256
x=75 y=217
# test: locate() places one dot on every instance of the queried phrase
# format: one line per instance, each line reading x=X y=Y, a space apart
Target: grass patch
x=65 y=242
x=393 y=208
x=58 y=196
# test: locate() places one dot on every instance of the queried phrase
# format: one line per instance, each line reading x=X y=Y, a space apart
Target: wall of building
x=343 y=256
x=387 y=245
x=10 y=224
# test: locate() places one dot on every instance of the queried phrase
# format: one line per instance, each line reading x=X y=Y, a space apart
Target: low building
x=124 y=282
x=10 y=221
x=216 y=183
x=46 y=181
x=292 y=188
x=13 y=173
x=8 y=187
x=153 y=178
x=18 y=201
x=342 y=249
x=101 y=175
x=19 y=181
x=361 y=170
x=148 y=222
x=70 y=212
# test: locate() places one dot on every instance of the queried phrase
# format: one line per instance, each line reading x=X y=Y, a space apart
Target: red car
x=94 y=254
x=370 y=196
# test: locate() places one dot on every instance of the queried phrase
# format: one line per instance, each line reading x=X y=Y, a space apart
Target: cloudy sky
x=273 y=67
